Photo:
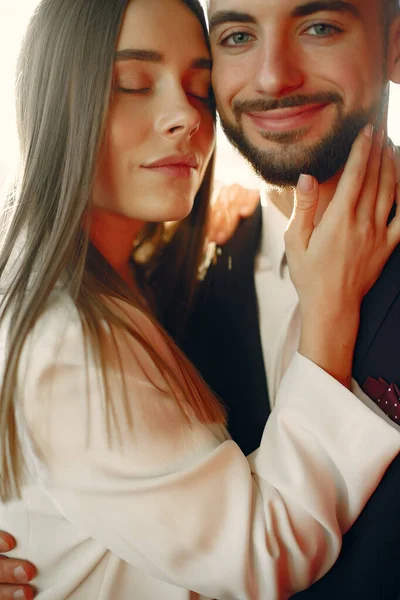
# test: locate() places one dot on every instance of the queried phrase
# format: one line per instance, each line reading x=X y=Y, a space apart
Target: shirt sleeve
x=182 y=502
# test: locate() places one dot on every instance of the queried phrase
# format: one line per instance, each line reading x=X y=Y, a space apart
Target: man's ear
x=394 y=51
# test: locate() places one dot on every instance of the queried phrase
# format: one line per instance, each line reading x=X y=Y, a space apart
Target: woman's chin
x=176 y=211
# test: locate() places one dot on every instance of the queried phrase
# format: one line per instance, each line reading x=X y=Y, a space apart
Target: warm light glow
x=13 y=19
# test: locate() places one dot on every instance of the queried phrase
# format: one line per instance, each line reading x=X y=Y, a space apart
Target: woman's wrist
x=329 y=341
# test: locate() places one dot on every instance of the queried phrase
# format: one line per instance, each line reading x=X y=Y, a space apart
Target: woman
x=118 y=477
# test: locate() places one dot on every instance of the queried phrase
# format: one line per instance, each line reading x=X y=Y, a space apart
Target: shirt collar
x=274 y=225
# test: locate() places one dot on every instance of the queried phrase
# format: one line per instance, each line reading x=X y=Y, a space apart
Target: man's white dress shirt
x=277 y=297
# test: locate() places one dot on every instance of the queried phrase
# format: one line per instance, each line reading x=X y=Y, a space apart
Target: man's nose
x=278 y=69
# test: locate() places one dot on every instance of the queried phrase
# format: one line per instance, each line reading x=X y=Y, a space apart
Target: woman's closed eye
x=206 y=98
x=199 y=89
x=132 y=83
x=127 y=90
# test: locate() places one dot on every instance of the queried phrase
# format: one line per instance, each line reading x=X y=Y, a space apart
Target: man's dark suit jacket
x=223 y=340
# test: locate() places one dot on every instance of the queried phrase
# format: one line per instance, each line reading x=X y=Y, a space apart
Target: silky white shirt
x=175 y=506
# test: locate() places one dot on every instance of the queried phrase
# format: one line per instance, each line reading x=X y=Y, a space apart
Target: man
x=295 y=81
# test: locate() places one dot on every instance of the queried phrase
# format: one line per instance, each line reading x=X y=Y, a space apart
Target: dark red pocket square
x=385 y=395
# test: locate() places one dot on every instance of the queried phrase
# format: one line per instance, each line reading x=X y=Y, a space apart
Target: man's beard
x=282 y=164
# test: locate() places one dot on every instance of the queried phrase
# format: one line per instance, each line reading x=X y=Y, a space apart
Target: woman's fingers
x=232 y=203
x=7 y=542
x=393 y=230
x=351 y=183
x=14 y=592
x=366 y=204
x=301 y=224
x=15 y=571
x=386 y=192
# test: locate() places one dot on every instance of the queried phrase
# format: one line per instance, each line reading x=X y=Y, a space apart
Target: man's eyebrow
x=156 y=57
x=305 y=10
x=229 y=16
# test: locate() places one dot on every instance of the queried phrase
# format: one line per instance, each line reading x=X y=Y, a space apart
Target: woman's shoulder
x=58 y=318
x=57 y=329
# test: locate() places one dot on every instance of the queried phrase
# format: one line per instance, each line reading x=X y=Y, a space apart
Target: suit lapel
x=223 y=337
x=374 y=311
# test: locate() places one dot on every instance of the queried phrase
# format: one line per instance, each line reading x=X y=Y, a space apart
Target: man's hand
x=232 y=203
x=14 y=573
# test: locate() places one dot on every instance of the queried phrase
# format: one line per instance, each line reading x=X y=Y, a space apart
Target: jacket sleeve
x=181 y=501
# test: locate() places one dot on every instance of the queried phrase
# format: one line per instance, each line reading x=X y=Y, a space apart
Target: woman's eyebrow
x=156 y=57
x=143 y=55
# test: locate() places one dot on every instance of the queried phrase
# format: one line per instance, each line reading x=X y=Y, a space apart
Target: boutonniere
x=385 y=395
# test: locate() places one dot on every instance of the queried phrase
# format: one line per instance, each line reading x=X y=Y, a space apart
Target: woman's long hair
x=64 y=87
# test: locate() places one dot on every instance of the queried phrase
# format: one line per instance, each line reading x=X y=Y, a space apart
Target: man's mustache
x=241 y=107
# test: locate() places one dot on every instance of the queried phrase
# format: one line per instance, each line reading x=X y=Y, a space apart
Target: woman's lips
x=176 y=165
x=180 y=171
x=286 y=119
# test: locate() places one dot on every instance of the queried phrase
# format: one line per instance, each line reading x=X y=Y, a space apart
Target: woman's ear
x=394 y=51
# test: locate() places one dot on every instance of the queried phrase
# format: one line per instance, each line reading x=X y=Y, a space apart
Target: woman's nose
x=178 y=119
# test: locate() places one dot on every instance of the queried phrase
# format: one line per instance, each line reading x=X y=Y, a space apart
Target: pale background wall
x=13 y=18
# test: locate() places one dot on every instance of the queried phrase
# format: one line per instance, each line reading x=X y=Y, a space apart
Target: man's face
x=296 y=80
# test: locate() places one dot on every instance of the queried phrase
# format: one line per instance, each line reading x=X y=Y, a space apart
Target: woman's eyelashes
x=144 y=91
x=129 y=81
x=198 y=91
x=126 y=90
x=205 y=96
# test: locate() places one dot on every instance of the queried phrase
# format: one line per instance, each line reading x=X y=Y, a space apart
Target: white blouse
x=176 y=506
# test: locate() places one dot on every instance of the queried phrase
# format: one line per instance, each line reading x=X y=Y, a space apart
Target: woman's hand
x=334 y=264
x=14 y=573
x=232 y=203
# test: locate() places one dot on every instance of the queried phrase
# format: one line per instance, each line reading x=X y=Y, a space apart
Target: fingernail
x=391 y=151
x=19 y=595
x=20 y=574
x=245 y=211
x=305 y=183
x=369 y=131
x=4 y=547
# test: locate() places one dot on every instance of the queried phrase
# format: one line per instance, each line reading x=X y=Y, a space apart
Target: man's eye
x=322 y=30
x=237 y=39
